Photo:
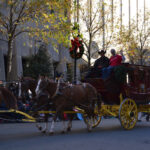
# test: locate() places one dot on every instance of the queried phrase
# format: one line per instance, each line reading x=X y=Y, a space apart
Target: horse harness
x=58 y=90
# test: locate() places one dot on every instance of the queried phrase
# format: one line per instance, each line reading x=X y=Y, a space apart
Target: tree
x=39 y=64
x=92 y=16
x=46 y=19
x=135 y=40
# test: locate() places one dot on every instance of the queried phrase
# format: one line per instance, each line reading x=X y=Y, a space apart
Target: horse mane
x=8 y=98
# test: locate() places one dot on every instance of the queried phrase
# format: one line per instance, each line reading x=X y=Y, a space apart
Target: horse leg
x=90 y=113
x=59 y=105
x=38 y=125
x=46 y=124
x=70 y=122
x=52 y=127
x=54 y=120
x=53 y=124
x=63 y=123
x=89 y=125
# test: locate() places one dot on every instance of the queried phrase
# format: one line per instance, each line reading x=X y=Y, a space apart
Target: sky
x=125 y=11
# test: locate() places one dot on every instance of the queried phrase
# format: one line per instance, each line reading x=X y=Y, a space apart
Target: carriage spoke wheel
x=128 y=114
x=95 y=120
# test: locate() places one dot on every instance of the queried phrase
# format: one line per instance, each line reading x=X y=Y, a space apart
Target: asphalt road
x=109 y=135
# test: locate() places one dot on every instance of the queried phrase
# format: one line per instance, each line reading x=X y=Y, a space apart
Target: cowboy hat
x=101 y=51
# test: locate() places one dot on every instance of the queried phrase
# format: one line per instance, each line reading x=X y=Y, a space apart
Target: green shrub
x=39 y=64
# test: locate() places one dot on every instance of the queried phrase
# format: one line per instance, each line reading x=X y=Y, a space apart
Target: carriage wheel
x=128 y=114
x=95 y=120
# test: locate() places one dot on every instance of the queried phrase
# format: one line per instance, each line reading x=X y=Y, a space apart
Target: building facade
x=25 y=46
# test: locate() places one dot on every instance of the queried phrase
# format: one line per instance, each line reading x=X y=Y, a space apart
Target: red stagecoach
x=123 y=99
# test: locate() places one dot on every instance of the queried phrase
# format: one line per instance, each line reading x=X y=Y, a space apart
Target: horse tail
x=97 y=99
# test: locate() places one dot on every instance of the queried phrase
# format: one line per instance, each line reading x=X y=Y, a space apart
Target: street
x=109 y=135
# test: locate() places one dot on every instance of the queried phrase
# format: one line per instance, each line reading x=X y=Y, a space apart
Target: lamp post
x=75 y=67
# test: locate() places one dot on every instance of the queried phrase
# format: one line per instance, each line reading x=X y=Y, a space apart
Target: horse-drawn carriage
x=124 y=99
x=123 y=95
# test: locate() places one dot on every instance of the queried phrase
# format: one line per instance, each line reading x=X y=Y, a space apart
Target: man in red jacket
x=115 y=59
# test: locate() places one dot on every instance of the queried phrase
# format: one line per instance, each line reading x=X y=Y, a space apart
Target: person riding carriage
x=103 y=66
x=115 y=60
x=99 y=64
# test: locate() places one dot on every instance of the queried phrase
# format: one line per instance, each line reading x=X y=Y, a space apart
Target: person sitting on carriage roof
x=100 y=63
x=115 y=60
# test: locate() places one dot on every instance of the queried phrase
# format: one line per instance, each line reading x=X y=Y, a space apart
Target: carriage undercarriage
x=126 y=112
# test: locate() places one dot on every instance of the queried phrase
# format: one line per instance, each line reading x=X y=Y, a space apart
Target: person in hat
x=99 y=64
